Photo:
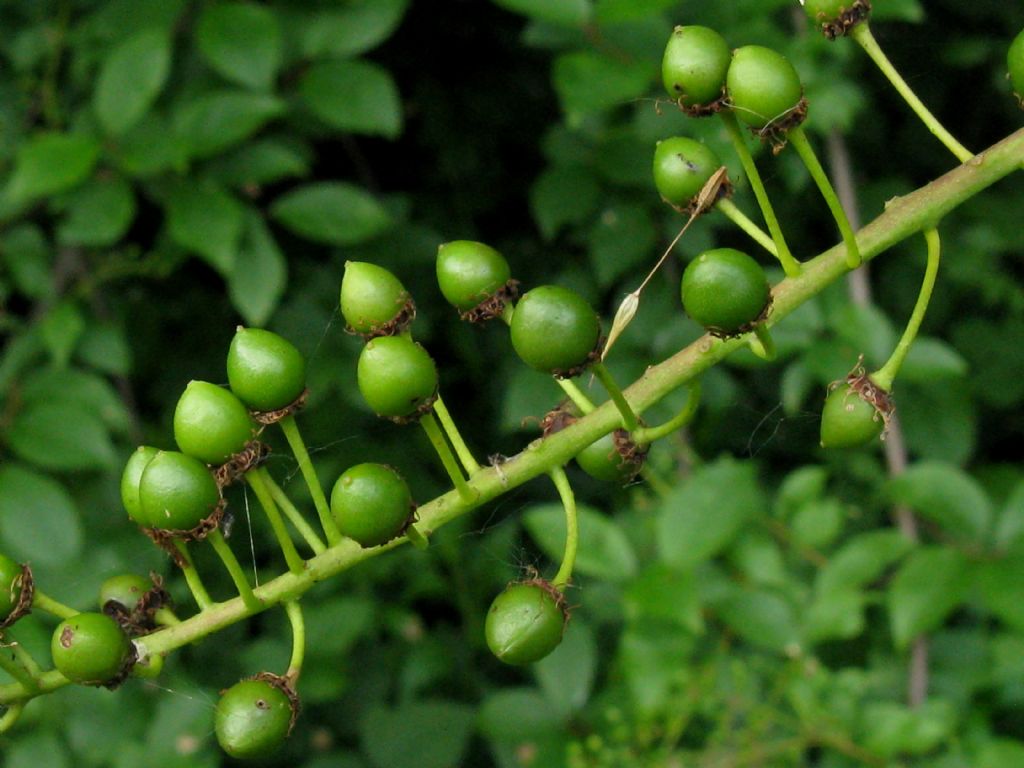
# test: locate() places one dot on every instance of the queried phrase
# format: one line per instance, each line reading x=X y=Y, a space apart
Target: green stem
x=461 y=449
x=572 y=533
x=647 y=435
x=195 y=584
x=323 y=509
x=165 y=617
x=629 y=420
x=506 y=313
x=451 y=466
x=761 y=343
x=11 y=715
x=885 y=375
x=789 y=265
x=575 y=394
x=416 y=537
x=903 y=217
x=741 y=220
x=51 y=606
x=234 y=569
x=862 y=34
x=15 y=667
x=298 y=624
x=257 y=479
x=294 y=516
x=803 y=147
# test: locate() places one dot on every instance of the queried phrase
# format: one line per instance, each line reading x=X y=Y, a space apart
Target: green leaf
x=604 y=551
x=336 y=213
x=36 y=748
x=526 y=397
x=1010 y=523
x=61 y=436
x=38 y=519
x=655 y=662
x=892 y=729
x=665 y=594
x=865 y=328
x=566 y=13
x=567 y=675
x=98 y=213
x=939 y=420
x=130 y=79
x=862 y=560
x=215 y=121
x=588 y=82
x=60 y=330
x=759 y=559
x=151 y=148
x=262 y=162
x=49 y=163
x=105 y=348
x=818 y=523
x=620 y=11
x=1000 y=753
x=350 y=30
x=178 y=720
x=353 y=96
x=241 y=42
x=516 y=715
x=208 y=221
x=1002 y=589
x=837 y=614
x=563 y=195
x=928 y=586
x=802 y=485
x=260 y=274
x=622 y=243
x=424 y=734
x=27 y=257
x=946 y=495
x=762 y=618
x=74 y=386
x=932 y=360
x=700 y=517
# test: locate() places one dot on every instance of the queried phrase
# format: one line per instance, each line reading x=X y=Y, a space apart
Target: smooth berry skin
x=763 y=86
x=125 y=590
x=89 y=648
x=371 y=504
x=469 y=273
x=177 y=492
x=265 y=370
x=682 y=167
x=694 y=66
x=396 y=376
x=524 y=624
x=554 y=329
x=724 y=290
x=848 y=421
x=211 y=423
x=1015 y=65
x=148 y=668
x=251 y=719
x=371 y=296
x=10 y=585
x=602 y=461
x=822 y=11
x=130 y=478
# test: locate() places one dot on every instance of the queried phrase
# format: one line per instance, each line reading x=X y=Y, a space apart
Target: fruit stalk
x=294 y=515
x=298 y=448
x=234 y=569
x=451 y=466
x=572 y=532
x=192 y=579
x=257 y=479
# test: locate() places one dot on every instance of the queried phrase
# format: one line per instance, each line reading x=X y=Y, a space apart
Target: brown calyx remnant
x=774 y=132
x=165 y=538
x=850 y=17
x=272 y=417
x=424 y=408
x=494 y=305
x=393 y=327
x=284 y=684
x=140 y=620
x=718 y=333
x=859 y=381
x=124 y=672
x=27 y=584
x=250 y=456
x=631 y=454
x=703 y=110
x=534 y=579
x=558 y=418
x=593 y=357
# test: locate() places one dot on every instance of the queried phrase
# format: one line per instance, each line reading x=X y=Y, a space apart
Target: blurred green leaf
x=665 y=594
x=928 y=586
x=1010 y=522
x=945 y=495
x=61 y=436
x=207 y=221
x=1002 y=589
x=49 y=163
x=568 y=13
x=798 y=488
x=759 y=559
x=762 y=618
x=622 y=242
x=561 y=195
x=892 y=729
x=241 y=42
x=516 y=715
x=38 y=519
x=216 y=121
x=150 y=148
x=932 y=360
x=105 y=347
x=353 y=96
x=566 y=676
x=862 y=560
x=178 y=730
x=263 y=161
x=604 y=551
x=818 y=523
x=1000 y=754
x=60 y=330
x=260 y=273
x=619 y=11
x=526 y=397
x=41 y=747
x=655 y=662
x=336 y=213
x=67 y=386
x=98 y=213
x=424 y=734
x=837 y=614
x=589 y=82
x=131 y=78
x=27 y=257
x=867 y=329
x=349 y=30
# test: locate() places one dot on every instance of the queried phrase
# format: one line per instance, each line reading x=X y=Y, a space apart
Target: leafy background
x=172 y=169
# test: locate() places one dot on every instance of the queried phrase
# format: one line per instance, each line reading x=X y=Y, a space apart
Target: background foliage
x=172 y=169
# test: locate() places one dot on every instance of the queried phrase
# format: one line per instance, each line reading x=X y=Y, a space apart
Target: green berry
x=90 y=648
x=554 y=330
x=1015 y=65
x=763 y=86
x=396 y=376
x=124 y=590
x=373 y=300
x=130 y=482
x=148 y=668
x=847 y=420
x=252 y=718
x=265 y=370
x=525 y=623
x=371 y=503
x=682 y=167
x=211 y=423
x=602 y=461
x=469 y=273
x=694 y=66
x=176 y=492
x=10 y=585
x=725 y=290
x=836 y=17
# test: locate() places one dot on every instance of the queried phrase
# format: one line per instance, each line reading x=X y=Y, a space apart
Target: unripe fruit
x=265 y=370
x=177 y=492
x=694 y=66
x=90 y=648
x=763 y=86
x=725 y=290
x=130 y=482
x=124 y=590
x=252 y=718
x=371 y=503
x=396 y=376
x=10 y=585
x=148 y=668
x=525 y=623
x=848 y=420
x=1015 y=65
x=469 y=273
x=682 y=167
x=373 y=300
x=836 y=17
x=554 y=330
x=602 y=461
x=211 y=423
